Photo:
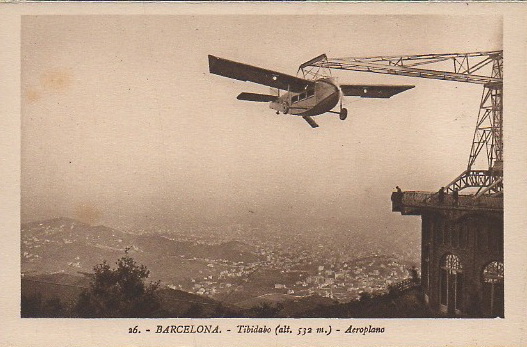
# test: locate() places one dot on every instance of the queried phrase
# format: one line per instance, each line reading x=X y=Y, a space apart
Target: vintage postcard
x=263 y=174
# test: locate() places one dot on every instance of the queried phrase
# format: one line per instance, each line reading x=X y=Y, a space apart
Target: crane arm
x=459 y=67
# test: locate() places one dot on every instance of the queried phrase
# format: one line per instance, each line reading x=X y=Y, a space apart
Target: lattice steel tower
x=485 y=68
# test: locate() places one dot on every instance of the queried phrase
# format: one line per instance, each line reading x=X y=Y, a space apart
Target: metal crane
x=484 y=68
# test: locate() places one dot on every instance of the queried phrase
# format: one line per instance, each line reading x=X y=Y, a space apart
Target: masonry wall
x=477 y=240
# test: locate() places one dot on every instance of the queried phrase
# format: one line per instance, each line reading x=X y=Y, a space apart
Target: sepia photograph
x=160 y=180
x=243 y=174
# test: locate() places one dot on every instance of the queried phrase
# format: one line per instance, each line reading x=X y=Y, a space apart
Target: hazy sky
x=121 y=120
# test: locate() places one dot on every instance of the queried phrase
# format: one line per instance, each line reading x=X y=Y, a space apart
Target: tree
x=194 y=311
x=365 y=296
x=36 y=307
x=266 y=310
x=119 y=292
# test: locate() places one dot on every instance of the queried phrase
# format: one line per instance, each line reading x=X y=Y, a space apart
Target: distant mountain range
x=58 y=257
x=69 y=246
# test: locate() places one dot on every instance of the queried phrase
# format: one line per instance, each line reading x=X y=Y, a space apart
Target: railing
x=415 y=199
x=403 y=285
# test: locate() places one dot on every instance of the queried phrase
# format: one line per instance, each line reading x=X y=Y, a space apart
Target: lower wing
x=256 y=97
x=372 y=91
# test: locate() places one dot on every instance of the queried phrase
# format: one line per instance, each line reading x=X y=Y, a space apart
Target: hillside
x=55 y=296
x=405 y=304
x=205 y=274
x=66 y=245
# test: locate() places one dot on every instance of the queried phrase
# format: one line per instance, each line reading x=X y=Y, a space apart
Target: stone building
x=461 y=251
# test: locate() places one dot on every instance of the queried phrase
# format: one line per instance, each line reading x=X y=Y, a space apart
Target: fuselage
x=321 y=98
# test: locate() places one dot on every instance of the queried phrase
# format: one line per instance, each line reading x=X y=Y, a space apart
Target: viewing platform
x=415 y=202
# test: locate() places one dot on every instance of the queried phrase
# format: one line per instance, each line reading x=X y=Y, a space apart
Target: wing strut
x=310 y=121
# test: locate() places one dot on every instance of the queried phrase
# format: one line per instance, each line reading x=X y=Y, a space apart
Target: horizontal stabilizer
x=310 y=121
x=372 y=91
x=256 y=97
x=245 y=72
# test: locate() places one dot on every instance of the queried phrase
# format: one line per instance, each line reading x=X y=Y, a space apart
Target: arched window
x=493 y=289
x=451 y=284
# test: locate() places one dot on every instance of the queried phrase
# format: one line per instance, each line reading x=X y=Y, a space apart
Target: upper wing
x=256 y=97
x=244 y=72
x=372 y=91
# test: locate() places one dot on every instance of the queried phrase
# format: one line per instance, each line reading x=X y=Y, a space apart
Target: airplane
x=302 y=97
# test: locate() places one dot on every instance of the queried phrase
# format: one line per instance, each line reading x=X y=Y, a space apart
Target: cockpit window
x=308 y=93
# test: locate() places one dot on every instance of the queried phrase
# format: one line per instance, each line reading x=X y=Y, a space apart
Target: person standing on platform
x=441 y=194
